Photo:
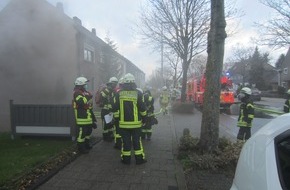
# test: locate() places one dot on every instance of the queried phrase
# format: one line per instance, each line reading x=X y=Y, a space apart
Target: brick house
x=42 y=51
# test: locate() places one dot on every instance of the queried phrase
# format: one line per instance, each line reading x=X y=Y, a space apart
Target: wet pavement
x=101 y=169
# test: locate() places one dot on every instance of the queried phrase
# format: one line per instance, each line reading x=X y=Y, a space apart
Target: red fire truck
x=196 y=88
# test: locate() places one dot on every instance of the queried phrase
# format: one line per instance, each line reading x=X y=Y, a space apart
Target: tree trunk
x=184 y=79
x=209 y=137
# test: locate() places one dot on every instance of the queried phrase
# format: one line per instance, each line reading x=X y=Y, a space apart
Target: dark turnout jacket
x=129 y=108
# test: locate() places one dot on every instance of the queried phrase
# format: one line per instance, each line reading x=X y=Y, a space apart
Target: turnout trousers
x=131 y=137
x=117 y=137
x=83 y=138
x=147 y=130
x=108 y=128
x=244 y=133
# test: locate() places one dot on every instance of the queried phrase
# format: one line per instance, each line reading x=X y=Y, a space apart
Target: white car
x=264 y=162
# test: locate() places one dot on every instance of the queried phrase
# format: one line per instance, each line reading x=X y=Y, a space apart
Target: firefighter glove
x=95 y=125
x=144 y=119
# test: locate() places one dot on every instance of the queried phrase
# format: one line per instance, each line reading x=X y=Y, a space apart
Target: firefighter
x=129 y=114
x=117 y=135
x=85 y=118
x=246 y=114
x=287 y=102
x=106 y=100
x=151 y=120
x=164 y=100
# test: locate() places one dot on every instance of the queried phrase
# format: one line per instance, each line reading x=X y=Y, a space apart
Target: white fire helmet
x=164 y=88
x=121 y=81
x=139 y=89
x=113 y=80
x=246 y=90
x=129 y=78
x=81 y=81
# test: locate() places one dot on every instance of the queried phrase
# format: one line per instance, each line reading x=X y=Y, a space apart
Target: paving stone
x=101 y=169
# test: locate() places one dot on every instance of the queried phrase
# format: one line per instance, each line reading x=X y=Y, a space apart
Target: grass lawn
x=23 y=153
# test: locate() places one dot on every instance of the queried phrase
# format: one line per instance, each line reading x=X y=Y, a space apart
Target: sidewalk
x=101 y=169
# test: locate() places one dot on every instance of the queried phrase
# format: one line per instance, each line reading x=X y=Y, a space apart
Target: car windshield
x=255 y=90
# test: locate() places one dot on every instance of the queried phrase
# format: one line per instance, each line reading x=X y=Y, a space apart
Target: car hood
x=256 y=168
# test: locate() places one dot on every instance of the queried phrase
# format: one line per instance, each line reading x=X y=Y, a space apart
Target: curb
x=41 y=180
x=180 y=177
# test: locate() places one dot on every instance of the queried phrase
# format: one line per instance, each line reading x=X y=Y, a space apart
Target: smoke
x=38 y=55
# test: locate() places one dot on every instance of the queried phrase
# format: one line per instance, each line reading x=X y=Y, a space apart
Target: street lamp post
x=162 y=52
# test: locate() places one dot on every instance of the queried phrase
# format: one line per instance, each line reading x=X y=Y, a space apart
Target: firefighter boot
x=143 y=134
x=148 y=136
x=140 y=160
x=88 y=144
x=126 y=160
x=118 y=144
x=106 y=137
x=82 y=148
x=110 y=136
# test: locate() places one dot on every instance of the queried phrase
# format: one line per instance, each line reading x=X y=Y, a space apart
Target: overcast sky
x=116 y=17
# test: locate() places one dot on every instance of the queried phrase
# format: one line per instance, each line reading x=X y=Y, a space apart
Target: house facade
x=43 y=51
x=240 y=75
x=284 y=73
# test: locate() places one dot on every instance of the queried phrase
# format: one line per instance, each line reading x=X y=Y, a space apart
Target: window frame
x=285 y=71
x=89 y=53
x=277 y=140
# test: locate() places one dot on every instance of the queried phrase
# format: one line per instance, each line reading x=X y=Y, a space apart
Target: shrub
x=192 y=159
x=281 y=90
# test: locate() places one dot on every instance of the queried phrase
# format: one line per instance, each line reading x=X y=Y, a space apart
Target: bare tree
x=174 y=63
x=197 y=66
x=209 y=137
x=155 y=79
x=240 y=61
x=276 y=32
x=180 y=25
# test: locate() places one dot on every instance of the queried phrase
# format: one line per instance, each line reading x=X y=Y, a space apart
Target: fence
x=42 y=120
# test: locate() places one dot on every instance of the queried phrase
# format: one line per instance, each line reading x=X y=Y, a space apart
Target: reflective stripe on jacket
x=246 y=115
x=82 y=105
x=129 y=108
x=107 y=99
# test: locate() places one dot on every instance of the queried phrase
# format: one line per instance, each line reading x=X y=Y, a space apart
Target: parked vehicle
x=196 y=88
x=256 y=94
x=264 y=161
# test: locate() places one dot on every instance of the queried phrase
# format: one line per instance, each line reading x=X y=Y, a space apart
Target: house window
x=88 y=55
x=285 y=71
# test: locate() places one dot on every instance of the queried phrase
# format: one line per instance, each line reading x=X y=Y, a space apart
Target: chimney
x=77 y=20
x=94 y=31
x=59 y=6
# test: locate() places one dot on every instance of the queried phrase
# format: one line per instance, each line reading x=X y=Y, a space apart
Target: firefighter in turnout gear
x=106 y=101
x=246 y=114
x=164 y=100
x=117 y=135
x=85 y=118
x=129 y=114
x=287 y=102
x=147 y=127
